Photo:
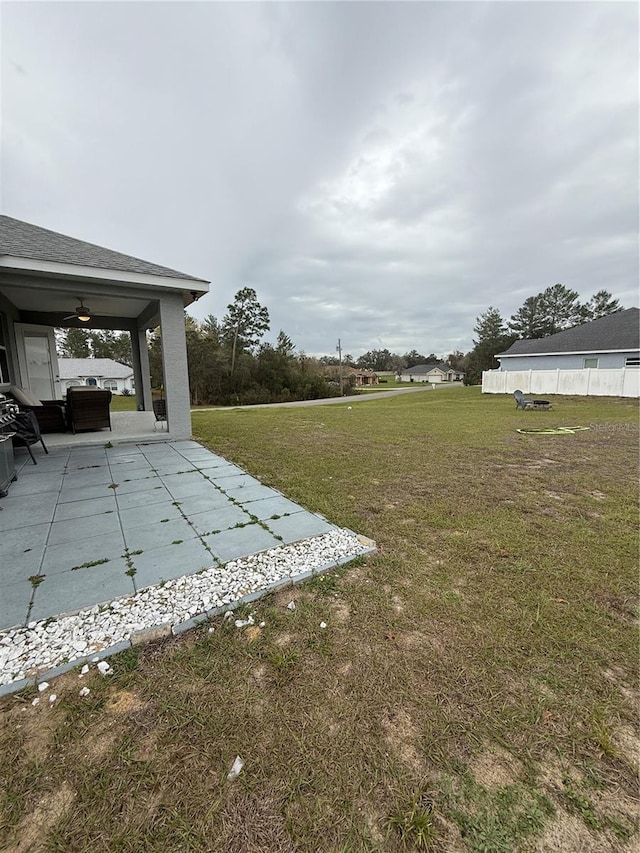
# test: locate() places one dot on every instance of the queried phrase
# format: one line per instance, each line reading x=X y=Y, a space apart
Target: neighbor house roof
x=615 y=332
x=23 y=240
x=105 y=368
x=427 y=368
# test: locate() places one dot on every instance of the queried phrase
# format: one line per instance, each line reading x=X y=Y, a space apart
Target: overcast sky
x=380 y=173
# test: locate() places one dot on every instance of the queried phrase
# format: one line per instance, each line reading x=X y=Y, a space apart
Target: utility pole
x=339 y=349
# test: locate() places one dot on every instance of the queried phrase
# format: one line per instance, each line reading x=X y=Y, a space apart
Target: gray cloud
x=380 y=173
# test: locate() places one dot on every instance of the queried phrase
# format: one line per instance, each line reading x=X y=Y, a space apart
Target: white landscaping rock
x=236 y=767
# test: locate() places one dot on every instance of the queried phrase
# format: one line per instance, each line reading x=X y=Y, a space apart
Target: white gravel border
x=49 y=647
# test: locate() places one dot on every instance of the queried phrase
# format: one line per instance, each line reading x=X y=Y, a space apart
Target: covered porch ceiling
x=113 y=303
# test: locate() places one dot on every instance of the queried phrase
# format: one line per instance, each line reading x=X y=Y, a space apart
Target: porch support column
x=174 y=360
x=141 y=372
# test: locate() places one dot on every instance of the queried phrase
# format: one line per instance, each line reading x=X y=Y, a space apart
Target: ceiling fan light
x=84 y=316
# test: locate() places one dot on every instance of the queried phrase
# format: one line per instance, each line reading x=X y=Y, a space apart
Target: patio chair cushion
x=24 y=397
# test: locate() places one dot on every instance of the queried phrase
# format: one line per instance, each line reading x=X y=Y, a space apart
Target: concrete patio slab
x=70 y=591
x=151 y=536
x=143 y=497
x=268 y=507
x=299 y=525
x=247 y=494
x=28 y=510
x=157 y=513
x=170 y=561
x=46 y=482
x=70 y=492
x=149 y=482
x=206 y=500
x=86 y=507
x=240 y=542
x=219 y=519
x=14 y=602
x=96 y=525
x=70 y=515
x=83 y=549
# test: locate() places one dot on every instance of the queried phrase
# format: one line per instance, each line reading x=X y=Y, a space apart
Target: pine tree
x=561 y=308
x=600 y=305
x=74 y=343
x=245 y=323
x=530 y=320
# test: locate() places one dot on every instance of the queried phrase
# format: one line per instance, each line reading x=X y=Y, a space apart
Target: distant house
x=99 y=372
x=609 y=342
x=351 y=375
x=433 y=372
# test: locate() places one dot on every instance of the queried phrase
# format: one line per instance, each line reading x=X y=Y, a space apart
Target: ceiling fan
x=82 y=313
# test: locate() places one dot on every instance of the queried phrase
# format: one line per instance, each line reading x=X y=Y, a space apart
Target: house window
x=632 y=361
x=72 y=382
x=91 y=381
x=589 y=362
x=110 y=385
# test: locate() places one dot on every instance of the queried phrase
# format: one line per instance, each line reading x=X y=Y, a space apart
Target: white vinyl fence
x=619 y=382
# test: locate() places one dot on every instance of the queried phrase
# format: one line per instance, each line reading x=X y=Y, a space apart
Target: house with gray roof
x=433 y=372
x=98 y=373
x=608 y=342
x=50 y=280
x=600 y=358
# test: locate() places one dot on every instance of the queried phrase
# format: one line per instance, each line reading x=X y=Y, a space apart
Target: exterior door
x=38 y=360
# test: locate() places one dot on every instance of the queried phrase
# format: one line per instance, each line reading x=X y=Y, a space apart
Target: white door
x=38 y=360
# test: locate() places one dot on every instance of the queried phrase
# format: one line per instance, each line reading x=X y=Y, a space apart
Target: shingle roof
x=427 y=368
x=107 y=368
x=619 y=331
x=23 y=240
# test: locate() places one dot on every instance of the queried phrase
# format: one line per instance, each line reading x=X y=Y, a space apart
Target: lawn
x=120 y=403
x=476 y=686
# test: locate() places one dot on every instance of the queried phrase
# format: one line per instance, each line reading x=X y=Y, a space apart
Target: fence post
x=588 y=380
x=557 y=380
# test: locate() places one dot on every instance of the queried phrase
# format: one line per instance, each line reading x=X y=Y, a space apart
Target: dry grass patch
x=492 y=625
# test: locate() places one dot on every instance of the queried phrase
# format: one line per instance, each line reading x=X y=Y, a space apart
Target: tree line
x=230 y=363
x=555 y=309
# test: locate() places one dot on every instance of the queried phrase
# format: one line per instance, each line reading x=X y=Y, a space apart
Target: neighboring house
x=99 y=372
x=352 y=375
x=609 y=342
x=600 y=359
x=364 y=377
x=433 y=372
x=49 y=280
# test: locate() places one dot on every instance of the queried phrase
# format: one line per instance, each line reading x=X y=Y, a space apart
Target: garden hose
x=551 y=430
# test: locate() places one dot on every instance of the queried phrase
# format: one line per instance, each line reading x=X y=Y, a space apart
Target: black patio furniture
x=26 y=431
x=160 y=412
x=88 y=408
x=50 y=414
